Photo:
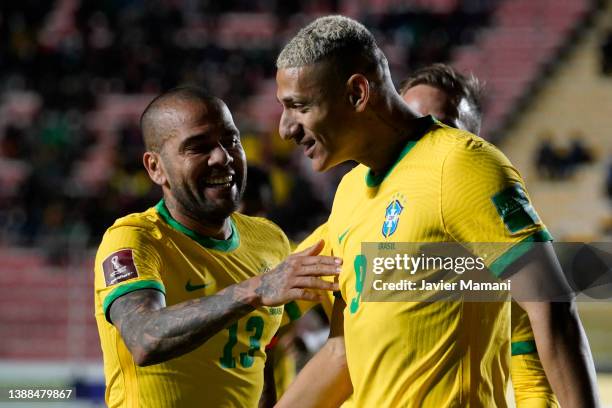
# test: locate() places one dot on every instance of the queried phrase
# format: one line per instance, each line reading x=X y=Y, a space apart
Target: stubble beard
x=200 y=209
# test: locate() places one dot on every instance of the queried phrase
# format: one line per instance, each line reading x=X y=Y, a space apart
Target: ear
x=152 y=162
x=358 y=91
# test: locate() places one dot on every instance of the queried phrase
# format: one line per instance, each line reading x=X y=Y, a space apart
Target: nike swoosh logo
x=341 y=236
x=190 y=288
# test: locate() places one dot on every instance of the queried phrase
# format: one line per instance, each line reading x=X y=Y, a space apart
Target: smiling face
x=202 y=165
x=315 y=113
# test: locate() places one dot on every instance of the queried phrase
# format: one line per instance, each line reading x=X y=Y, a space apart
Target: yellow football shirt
x=151 y=250
x=531 y=387
x=321 y=233
x=449 y=186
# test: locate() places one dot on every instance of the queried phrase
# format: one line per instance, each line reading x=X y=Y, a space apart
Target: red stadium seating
x=508 y=56
x=46 y=313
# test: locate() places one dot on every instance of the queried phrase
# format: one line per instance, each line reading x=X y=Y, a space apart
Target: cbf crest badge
x=392 y=216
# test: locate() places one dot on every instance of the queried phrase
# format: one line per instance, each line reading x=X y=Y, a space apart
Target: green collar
x=423 y=125
x=224 y=245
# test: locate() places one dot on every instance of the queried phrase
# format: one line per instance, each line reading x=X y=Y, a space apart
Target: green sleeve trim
x=224 y=245
x=293 y=311
x=127 y=288
x=521 y=248
x=524 y=347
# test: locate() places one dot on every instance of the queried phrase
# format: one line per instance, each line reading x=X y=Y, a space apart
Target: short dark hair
x=149 y=125
x=456 y=85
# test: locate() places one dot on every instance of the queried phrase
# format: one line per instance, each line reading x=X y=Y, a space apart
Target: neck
x=392 y=125
x=218 y=229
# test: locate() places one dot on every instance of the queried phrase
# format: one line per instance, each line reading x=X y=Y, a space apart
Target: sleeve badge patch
x=514 y=208
x=119 y=266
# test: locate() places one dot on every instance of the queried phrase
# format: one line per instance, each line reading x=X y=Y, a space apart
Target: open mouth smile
x=219 y=181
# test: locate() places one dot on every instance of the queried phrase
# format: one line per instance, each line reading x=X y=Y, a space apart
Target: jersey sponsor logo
x=392 y=216
x=341 y=236
x=119 y=266
x=190 y=288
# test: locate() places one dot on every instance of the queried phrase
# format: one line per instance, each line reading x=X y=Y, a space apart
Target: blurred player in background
x=447 y=95
x=186 y=293
x=455 y=100
x=339 y=103
x=257 y=199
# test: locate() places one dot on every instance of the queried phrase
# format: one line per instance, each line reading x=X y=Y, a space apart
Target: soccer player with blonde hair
x=418 y=181
x=455 y=99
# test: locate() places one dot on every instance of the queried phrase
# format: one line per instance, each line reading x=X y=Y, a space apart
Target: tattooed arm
x=155 y=333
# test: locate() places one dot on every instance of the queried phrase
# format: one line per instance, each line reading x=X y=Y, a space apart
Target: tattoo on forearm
x=271 y=283
x=155 y=334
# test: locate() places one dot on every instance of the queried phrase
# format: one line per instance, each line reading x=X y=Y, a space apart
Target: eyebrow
x=192 y=139
x=293 y=99
x=203 y=137
x=285 y=99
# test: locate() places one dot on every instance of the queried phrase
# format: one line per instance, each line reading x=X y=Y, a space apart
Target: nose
x=220 y=157
x=288 y=128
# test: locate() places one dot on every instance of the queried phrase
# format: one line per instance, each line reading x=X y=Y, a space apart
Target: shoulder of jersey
x=456 y=138
x=262 y=226
x=148 y=220
x=436 y=134
x=441 y=138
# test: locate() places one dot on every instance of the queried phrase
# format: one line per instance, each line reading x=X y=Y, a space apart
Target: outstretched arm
x=155 y=333
x=325 y=380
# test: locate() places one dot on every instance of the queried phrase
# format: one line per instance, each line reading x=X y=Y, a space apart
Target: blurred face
x=315 y=114
x=429 y=100
x=203 y=162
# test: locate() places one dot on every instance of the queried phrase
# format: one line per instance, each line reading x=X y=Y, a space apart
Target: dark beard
x=201 y=210
x=196 y=207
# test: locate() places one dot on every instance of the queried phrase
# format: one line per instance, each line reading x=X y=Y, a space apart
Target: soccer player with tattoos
x=189 y=292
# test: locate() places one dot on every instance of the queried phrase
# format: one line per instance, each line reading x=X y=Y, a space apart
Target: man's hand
x=154 y=332
x=299 y=272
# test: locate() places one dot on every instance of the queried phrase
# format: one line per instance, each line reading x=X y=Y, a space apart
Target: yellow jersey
x=530 y=385
x=449 y=186
x=152 y=250
x=321 y=233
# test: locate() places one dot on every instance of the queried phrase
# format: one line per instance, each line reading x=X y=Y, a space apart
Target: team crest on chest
x=392 y=215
